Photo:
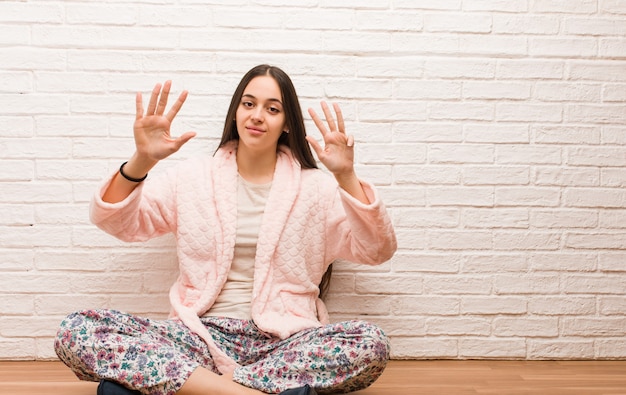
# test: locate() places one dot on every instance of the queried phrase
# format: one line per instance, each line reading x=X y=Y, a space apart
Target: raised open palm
x=152 y=129
x=338 y=151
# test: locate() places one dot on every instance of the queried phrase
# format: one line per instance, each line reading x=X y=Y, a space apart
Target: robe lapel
x=225 y=191
x=285 y=188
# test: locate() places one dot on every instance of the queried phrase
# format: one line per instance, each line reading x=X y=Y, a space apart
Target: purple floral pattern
x=157 y=356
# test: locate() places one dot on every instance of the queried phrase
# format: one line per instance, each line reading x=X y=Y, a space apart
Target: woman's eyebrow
x=248 y=95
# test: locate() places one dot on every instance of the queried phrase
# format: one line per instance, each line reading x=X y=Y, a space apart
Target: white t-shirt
x=235 y=299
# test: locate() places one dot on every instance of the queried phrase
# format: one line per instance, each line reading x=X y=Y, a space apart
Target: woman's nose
x=257 y=114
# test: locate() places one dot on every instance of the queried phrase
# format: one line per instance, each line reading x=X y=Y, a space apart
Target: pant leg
x=343 y=357
x=152 y=356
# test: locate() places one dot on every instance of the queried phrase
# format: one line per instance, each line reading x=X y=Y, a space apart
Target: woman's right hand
x=152 y=129
x=152 y=140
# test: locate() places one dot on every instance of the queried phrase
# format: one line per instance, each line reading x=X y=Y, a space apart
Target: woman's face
x=260 y=115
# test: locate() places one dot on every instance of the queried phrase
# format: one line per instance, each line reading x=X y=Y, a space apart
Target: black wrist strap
x=131 y=178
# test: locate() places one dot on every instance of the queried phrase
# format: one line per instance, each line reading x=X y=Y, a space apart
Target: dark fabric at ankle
x=110 y=388
x=306 y=390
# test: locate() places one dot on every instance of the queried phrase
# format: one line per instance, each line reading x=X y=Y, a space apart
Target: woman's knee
x=74 y=329
x=375 y=343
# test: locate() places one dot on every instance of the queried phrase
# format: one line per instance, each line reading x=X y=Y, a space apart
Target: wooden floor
x=400 y=378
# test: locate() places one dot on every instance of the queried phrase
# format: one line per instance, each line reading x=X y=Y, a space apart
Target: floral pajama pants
x=157 y=356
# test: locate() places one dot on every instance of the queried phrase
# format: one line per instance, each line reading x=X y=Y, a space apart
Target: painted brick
x=478 y=68
x=613 y=135
x=459 y=240
x=462 y=326
x=412 y=262
x=519 y=196
x=528 y=327
x=563 y=47
x=494 y=262
x=461 y=196
x=498 y=45
x=17 y=305
x=457 y=153
x=573 y=176
x=525 y=24
x=501 y=175
x=435 y=175
x=496 y=90
x=425 y=305
x=381 y=21
x=380 y=305
x=451 y=285
x=612 y=305
x=526 y=154
x=609 y=71
x=497 y=5
x=594 y=26
x=526 y=284
x=367 y=284
x=563 y=262
x=543 y=69
x=612 y=262
x=565 y=6
x=596 y=240
x=462 y=23
x=563 y=219
x=598 y=197
x=424 y=347
x=593 y=284
x=495 y=218
x=524 y=240
x=610 y=348
x=486 y=305
x=426 y=218
x=562 y=306
x=566 y=134
x=567 y=92
x=560 y=349
x=472 y=348
x=600 y=327
x=497 y=134
x=428 y=90
x=427 y=132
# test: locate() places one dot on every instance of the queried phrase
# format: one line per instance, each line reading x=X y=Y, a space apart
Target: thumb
x=316 y=146
x=184 y=138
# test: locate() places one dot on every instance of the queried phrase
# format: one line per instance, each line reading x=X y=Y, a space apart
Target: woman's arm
x=152 y=141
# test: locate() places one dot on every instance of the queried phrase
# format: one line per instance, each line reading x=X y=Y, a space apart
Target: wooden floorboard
x=400 y=378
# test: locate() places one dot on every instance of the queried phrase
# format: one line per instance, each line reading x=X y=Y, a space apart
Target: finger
x=163 y=99
x=138 y=106
x=316 y=146
x=350 y=142
x=318 y=122
x=329 y=117
x=176 y=106
x=153 y=99
x=340 y=124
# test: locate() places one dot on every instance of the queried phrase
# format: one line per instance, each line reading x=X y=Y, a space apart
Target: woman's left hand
x=338 y=151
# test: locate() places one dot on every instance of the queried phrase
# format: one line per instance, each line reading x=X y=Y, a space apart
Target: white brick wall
x=496 y=131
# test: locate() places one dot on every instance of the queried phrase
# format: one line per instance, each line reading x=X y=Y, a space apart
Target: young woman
x=257 y=227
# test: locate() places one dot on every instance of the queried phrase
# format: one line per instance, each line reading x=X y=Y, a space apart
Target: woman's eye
x=274 y=110
x=247 y=104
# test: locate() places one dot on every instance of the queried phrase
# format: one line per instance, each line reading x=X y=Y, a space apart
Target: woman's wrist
x=136 y=169
x=350 y=183
x=129 y=178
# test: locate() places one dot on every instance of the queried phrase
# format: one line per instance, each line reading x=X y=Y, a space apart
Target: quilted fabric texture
x=308 y=223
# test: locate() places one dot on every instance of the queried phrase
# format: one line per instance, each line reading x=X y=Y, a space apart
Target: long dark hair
x=295 y=139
